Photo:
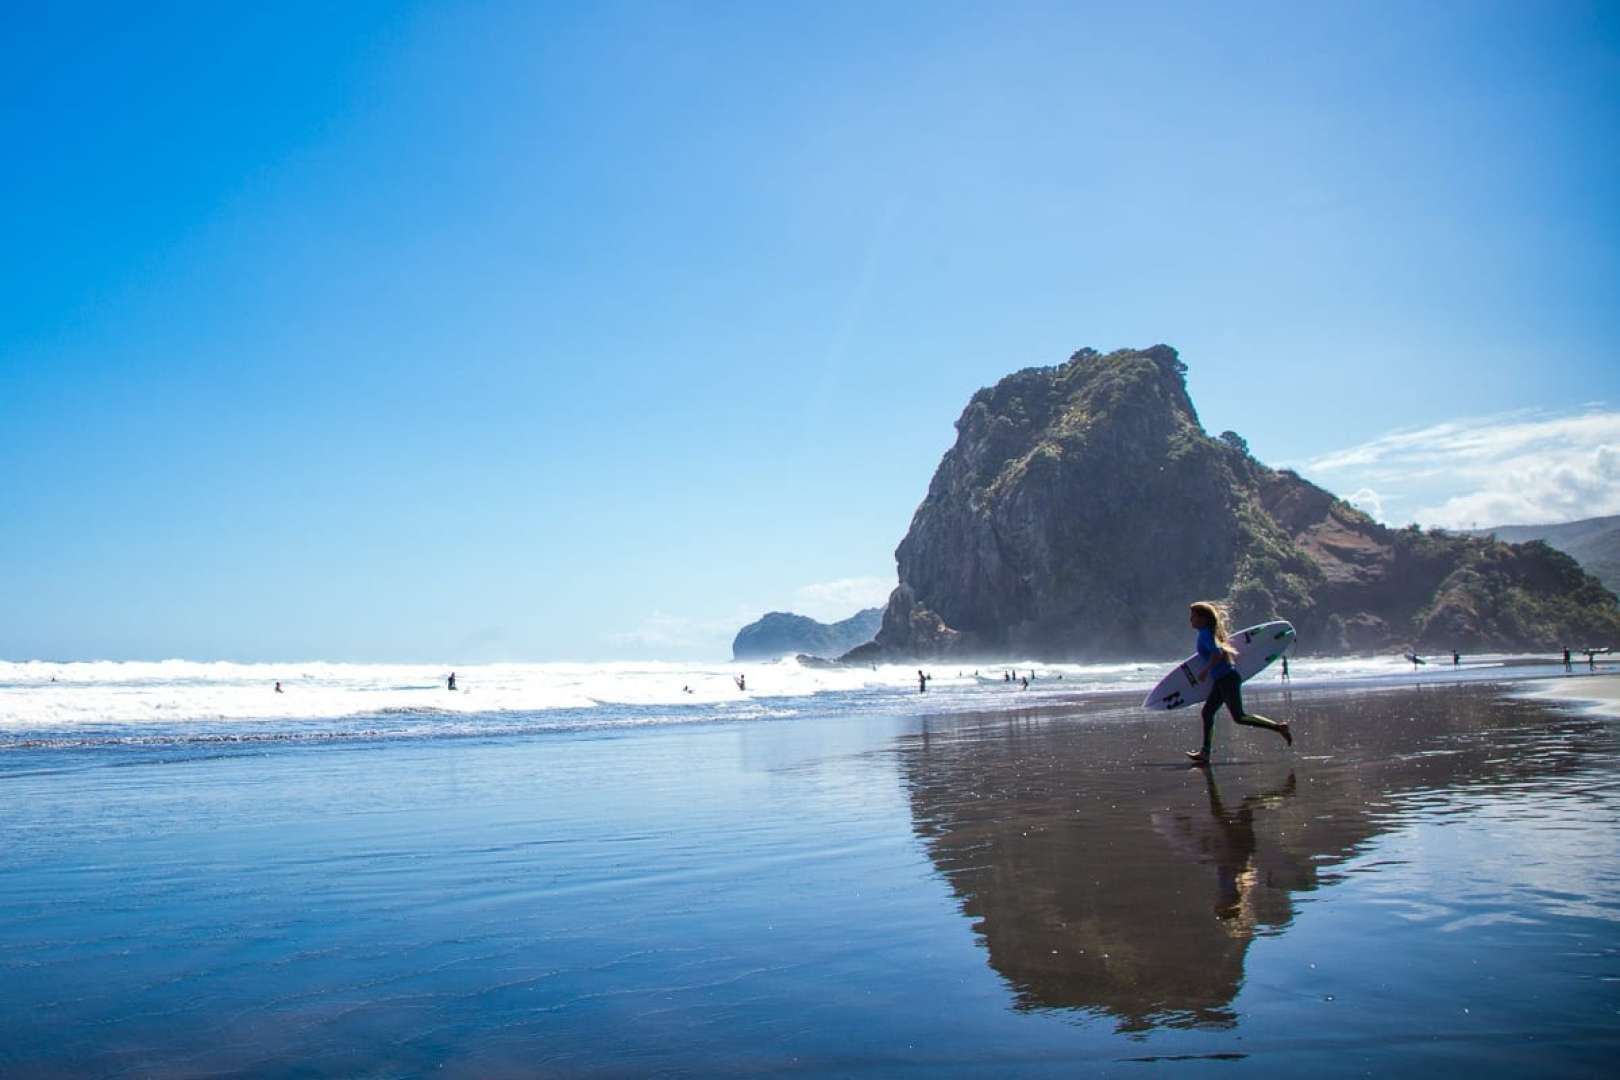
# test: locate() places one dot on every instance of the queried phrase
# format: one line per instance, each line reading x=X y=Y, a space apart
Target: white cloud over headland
x=666 y=634
x=661 y=630
x=830 y=601
x=1526 y=467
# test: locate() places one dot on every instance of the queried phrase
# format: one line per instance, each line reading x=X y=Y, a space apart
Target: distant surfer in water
x=1217 y=657
x=452 y=683
x=742 y=682
x=279 y=690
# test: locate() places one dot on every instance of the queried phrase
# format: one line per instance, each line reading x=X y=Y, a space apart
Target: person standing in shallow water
x=1226 y=685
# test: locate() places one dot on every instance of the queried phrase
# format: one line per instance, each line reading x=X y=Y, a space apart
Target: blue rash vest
x=1207 y=649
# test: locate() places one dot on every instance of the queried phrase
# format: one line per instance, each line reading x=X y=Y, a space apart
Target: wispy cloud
x=1524 y=467
x=1368 y=500
x=830 y=601
x=662 y=630
x=670 y=635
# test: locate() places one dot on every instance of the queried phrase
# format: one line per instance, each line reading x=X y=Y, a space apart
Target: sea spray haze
x=177 y=702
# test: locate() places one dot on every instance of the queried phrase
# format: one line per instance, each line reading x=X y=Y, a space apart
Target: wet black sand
x=1429 y=879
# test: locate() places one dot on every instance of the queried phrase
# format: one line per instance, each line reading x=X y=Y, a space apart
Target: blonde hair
x=1211 y=614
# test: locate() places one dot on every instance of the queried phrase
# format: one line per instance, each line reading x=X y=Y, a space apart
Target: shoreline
x=1597 y=694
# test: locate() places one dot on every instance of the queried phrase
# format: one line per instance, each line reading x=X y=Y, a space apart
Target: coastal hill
x=1083 y=506
x=1593 y=542
x=781 y=633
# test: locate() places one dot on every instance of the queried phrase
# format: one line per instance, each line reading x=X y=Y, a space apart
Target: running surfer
x=1226 y=686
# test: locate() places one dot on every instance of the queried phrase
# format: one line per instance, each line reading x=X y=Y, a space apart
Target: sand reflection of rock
x=1145 y=917
x=1101 y=882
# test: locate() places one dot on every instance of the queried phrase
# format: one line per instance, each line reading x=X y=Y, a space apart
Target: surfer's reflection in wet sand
x=1230 y=846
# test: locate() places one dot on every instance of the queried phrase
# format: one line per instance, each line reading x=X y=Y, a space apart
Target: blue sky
x=519 y=331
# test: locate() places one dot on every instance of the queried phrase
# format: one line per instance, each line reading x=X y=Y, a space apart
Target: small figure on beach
x=1025 y=682
x=1456 y=658
x=686 y=689
x=1209 y=620
x=1591 y=659
x=279 y=690
x=1416 y=660
x=1285 y=675
x=742 y=682
x=1567 y=665
x=452 y=683
x=922 y=682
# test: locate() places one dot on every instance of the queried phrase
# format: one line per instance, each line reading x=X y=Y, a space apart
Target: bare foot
x=1198 y=757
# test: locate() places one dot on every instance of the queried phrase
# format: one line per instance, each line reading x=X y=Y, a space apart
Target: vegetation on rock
x=1594 y=543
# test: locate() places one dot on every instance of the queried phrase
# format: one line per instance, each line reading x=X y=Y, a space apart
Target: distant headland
x=782 y=633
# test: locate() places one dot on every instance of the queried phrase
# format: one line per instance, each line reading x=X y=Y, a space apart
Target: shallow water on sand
x=1430 y=878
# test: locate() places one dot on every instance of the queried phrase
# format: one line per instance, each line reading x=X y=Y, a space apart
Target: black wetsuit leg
x=1219 y=694
x=1229 y=688
x=1233 y=696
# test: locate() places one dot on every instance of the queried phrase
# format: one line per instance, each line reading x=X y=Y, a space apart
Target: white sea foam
x=180 y=695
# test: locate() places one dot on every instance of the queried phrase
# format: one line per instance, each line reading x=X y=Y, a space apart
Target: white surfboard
x=1256 y=646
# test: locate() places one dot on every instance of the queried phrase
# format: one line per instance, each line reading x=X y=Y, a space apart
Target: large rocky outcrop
x=1083 y=506
x=782 y=633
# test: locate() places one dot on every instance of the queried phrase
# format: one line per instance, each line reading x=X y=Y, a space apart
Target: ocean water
x=86 y=704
